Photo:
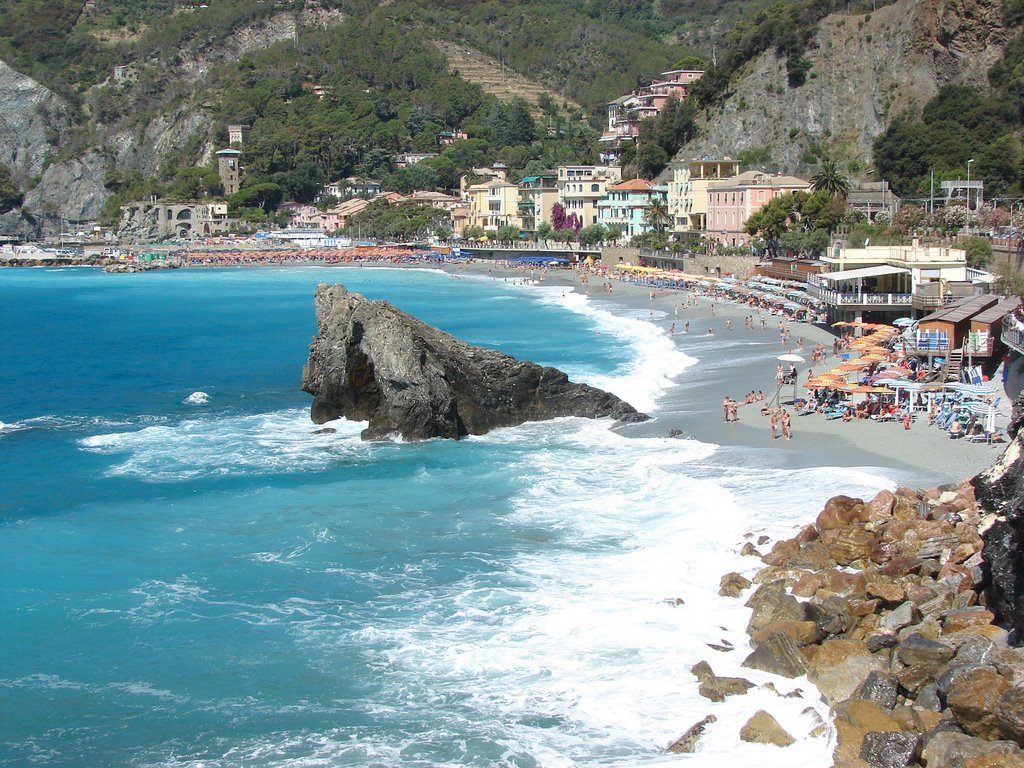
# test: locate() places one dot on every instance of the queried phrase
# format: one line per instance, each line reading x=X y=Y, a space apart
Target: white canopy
x=853 y=274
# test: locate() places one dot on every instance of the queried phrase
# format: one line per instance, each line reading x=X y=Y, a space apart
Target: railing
x=1011 y=335
x=840 y=299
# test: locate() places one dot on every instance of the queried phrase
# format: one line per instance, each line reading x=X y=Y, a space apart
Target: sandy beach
x=733 y=362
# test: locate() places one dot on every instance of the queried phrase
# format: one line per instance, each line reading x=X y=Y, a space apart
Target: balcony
x=1011 y=335
x=844 y=299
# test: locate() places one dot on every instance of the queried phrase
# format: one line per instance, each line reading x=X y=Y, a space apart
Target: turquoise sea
x=190 y=577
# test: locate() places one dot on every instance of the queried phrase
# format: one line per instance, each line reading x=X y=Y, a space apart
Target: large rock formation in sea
x=1000 y=489
x=372 y=362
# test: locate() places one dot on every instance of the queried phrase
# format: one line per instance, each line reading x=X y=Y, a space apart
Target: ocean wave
x=267 y=443
x=197 y=398
x=656 y=360
x=56 y=422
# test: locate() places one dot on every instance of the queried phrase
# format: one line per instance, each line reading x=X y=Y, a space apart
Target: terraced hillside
x=489 y=74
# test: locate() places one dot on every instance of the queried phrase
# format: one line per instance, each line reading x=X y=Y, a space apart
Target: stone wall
x=697 y=264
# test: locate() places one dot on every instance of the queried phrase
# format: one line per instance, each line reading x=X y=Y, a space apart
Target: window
x=595 y=187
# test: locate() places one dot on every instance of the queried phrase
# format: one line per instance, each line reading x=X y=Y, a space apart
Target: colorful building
x=626 y=204
x=731 y=202
x=493 y=204
x=580 y=187
x=627 y=112
x=688 y=190
x=537 y=196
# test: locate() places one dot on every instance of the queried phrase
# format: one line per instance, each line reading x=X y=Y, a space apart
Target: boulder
x=762 y=728
x=688 y=741
x=1010 y=714
x=879 y=687
x=973 y=699
x=949 y=749
x=840 y=511
x=889 y=750
x=917 y=649
x=371 y=362
x=720 y=688
x=733 y=584
x=779 y=655
x=776 y=605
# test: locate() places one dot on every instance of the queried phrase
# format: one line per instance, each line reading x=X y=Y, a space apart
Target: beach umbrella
x=790 y=358
x=903 y=322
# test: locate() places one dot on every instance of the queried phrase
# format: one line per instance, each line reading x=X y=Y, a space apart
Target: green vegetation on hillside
x=957 y=125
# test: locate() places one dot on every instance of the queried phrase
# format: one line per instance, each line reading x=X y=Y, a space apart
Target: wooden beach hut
x=986 y=326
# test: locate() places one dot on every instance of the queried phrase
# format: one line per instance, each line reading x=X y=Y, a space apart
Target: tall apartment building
x=688 y=190
x=493 y=204
x=537 y=196
x=580 y=187
x=731 y=202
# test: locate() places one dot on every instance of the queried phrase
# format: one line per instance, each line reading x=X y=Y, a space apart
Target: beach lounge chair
x=835 y=413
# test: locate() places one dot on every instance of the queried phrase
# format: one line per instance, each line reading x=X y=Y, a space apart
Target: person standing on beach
x=787 y=431
x=725 y=408
x=773 y=424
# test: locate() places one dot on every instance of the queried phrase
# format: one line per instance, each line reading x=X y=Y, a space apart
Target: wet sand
x=733 y=363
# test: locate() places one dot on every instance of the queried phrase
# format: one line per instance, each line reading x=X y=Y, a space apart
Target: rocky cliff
x=866 y=69
x=36 y=125
x=1000 y=489
x=372 y=362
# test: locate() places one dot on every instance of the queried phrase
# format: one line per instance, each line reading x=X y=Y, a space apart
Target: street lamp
x=969 y=183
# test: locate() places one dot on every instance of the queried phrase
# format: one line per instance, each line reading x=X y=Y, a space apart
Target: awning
x=854 y=274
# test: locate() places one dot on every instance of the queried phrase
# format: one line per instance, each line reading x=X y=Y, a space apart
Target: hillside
x=501 y=81
x=865 y=70
x=79 y=139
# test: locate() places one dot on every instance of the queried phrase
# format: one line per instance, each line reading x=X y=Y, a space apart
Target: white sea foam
x=281 y=441
x=657 y=360
x=197 y=398
x=583 y=652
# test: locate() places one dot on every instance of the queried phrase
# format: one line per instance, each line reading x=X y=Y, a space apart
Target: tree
x=657 y=215
x=979 y=251
x=831 y=180
x=473 y=232
x=507 y=233
x=592 y=234
x=1009 y=281
x=558 y=216
x=545 y=231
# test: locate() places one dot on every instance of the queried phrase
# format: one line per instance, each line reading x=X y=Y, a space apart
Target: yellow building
x=537 y=196
x=493 y=204
x=580 y=187
x=688 y=190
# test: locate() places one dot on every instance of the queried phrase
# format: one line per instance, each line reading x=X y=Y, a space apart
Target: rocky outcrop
x=866 y=69
x=371 y=362
x=30 y=117
x=895 y=631
x=1000 y=490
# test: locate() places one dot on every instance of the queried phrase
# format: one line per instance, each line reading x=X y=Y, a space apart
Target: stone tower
x=228 y=168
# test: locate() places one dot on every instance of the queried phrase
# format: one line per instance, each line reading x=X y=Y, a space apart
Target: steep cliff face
x=866 y=70
x=1000 y=489
x=371 y=362
x=72 y=190
x=27 y=112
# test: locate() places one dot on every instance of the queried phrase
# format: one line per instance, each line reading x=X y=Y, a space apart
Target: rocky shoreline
x=884 y=605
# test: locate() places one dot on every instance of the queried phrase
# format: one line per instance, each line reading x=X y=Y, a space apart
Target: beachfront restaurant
x=875 y=294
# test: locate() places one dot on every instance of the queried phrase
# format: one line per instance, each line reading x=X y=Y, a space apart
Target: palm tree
x=657 y=216
x=831 y=180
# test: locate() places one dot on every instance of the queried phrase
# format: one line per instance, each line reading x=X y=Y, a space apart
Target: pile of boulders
x=881 y=604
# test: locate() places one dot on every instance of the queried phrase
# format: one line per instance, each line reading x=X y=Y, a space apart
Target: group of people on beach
x=779 y=419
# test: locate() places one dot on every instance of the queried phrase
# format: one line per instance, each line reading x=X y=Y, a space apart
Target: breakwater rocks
x=882 y=605
x=371 y=362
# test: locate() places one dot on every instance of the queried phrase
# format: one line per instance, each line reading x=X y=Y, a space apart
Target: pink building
x=626 y=112
x=731 y=202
